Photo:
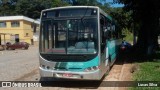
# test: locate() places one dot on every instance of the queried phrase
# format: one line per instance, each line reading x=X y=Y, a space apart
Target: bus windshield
x=69 y=36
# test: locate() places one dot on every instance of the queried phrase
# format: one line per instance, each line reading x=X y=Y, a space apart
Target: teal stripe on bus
x=77 y=66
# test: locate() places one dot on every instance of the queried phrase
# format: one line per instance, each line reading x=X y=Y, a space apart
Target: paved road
x=22 y=65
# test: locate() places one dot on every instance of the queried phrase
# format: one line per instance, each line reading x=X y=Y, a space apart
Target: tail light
x=123 y=48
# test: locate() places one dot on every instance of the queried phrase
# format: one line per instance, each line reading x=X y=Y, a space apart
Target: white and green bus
x=77 y=42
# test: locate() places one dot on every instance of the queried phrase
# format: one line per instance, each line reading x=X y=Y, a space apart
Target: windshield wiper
x=84 y=16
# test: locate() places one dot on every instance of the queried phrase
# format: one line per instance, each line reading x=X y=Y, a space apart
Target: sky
x=114 y=5
x=110 y=1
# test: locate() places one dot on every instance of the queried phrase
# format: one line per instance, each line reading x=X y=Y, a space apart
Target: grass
x=129 y=35
x=148 y=71
x=148 y=66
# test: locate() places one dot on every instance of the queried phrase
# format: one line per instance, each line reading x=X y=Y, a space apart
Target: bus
x=77 y=42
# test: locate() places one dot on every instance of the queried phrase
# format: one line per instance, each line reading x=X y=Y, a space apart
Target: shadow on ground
x=135 y=55
x=67 y=83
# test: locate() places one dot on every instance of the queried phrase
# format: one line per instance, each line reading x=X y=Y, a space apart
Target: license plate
x=67 y=75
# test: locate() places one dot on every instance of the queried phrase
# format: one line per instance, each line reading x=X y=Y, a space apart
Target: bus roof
x=70 y=7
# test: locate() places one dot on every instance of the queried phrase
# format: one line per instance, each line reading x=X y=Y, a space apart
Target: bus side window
x=108 y=28
x=102 y=32
x=103 y=27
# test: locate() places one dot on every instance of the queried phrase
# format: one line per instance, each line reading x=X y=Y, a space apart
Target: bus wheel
x=48 y=79
x=43 y=79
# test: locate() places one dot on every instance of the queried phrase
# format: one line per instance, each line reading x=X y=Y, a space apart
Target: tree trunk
x=147 y=35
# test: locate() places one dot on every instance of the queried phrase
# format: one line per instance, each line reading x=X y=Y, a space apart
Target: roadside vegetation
x=147 y=70
x=128 y=35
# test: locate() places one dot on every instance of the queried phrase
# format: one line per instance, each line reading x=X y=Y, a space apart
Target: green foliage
x=148 y=71
x=83 y=2
x=146 y=20
x=128 y=34
x=122 y=18
x=6 y=7
x=30 y=8
x=58 y=3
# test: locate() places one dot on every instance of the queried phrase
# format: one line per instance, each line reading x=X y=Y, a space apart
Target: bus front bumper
x=94 y=75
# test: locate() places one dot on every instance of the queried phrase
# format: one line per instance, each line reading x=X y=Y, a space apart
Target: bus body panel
x=70 y=66
x=114 y=47
x=95 y=75
x=77 y=69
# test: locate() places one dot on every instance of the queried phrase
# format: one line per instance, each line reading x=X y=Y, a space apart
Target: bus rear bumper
x=94 y=75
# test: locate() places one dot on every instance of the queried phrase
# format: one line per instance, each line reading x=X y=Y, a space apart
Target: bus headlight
x=45 y=67
x=93 y=68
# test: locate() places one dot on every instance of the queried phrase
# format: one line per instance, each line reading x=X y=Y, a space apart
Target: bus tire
x=43 y=79
x=47 y=79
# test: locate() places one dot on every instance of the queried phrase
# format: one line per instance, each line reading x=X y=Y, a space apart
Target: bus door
x=102 y=41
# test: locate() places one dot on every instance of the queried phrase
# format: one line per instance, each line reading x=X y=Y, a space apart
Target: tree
x=7 y=7
x=146 y=15
x=32 y=8
x=58 y=3
x=82 y=2
x=122 y=18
